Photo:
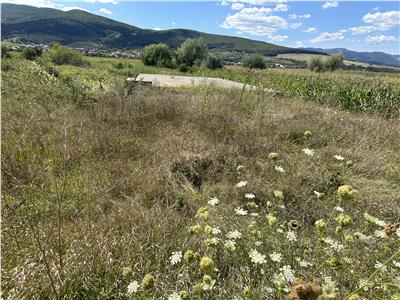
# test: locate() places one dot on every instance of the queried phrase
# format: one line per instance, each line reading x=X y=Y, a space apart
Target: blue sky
x=358 y=25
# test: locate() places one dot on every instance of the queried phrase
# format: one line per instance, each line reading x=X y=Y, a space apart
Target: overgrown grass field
x=112 y=191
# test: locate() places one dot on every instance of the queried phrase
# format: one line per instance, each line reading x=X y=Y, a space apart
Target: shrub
x=255 y=61
x=32 y=53
x=157 y=55
x=316 y=64
x=213 y=62
x=334 y=62
x=192 y=52
x=61 y=55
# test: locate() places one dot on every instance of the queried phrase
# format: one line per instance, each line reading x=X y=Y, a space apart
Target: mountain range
x=373 y=58
x=77 y=28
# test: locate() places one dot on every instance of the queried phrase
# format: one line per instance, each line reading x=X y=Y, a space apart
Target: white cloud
x=383 y=21
x=253 y=2
x=299 y=44
x=294 y=16
x=68 y=8
x=328 y=37
x=105 y=11
x=329 y=4
x=311 y=29
x=173 y=23
x=224 y=3
x=380 y=39
x=255 y=21
x=295 y=25
x=277 y=38
x=281 y=7
x=157 y=28
x=237 y=6
x=102 y=1
x=359 y=30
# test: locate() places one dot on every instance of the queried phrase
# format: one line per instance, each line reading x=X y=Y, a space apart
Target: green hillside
x=80 y=28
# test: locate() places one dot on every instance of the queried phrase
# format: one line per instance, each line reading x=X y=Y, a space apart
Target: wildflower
x=240 y=211
x=247 y=294
x=257 y=257
x=239 y=168
x=133 y=287
x=307 y=133
x=398 y=232
x=279 y=195
x=332 y=262
x=346 y=192
x=339 y=209
x=279 y=169
x=202 y=213
x=319 y=195
x=241 y=184
x=254 y=214
x=380 y=234
x=252 y=205
x=273 y=155
x=174 y=296
x=208 y=282
x=256 y=233
x=308 y=152
x=230 y=245
x=213 y=201
x=304 y=264
x=197 y=288
x=211 y=242
x=380 y=223
x=189 y=256
x=348 y=238
x=349 y=163
x=321 y=225
x=234 y=235
x=127 y=272
x=184 y=295
x=176 y=257
x=329 y=290
x=344 y=220
x=333 y=244
x=215 y=231
x=396 y=264
x=370 y=218
x=276 y=257
x=272 y=221
x=258 y=243
x=294 y=224
x=288 y=273
x=305 y=291
x=208 y=229
x=380 y=266
x=207 y=265
x=291 y=236
x=249 y=196
x=148 y=281
x=338 y=157
x=195 y=229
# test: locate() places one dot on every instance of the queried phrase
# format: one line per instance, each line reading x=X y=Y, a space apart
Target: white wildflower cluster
x=276 y=257
x=291 y=236
x=338 y=157
x=234 y=235
x=213 y=201
x=256 y=257
x=249 y=196
x=336 y=246
x=308 y=152
x=240 y=211
x=280 y=169
x=241 y=184
x=175 y=257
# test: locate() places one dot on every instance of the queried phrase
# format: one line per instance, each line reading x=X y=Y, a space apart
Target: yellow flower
x=272 y=221
x=208 y=229
x=346 y=192
x=148 y=282
x=189 y=256
x=127 y=272
x=202 y=213
x=349 y=163
x=252 y=205
x=321 y=225
x=348 y=238
x=207 y=265
x=273 y=155
x=184 y=295
x=279 y=195
x=344 y=220
x=307 y=133
x=195 y=229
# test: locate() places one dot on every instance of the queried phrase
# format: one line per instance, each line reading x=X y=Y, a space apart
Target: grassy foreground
x=114 y=192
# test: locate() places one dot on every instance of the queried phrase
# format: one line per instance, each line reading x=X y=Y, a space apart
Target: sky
x=356 y=25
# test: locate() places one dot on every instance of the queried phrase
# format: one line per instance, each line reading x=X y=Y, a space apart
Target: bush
x=32 y=53
x=192 y=52
x=157 y=55
x=61 y=55
x=255 y=61
x=213 y=62
x=334 y=62
x=316 y=64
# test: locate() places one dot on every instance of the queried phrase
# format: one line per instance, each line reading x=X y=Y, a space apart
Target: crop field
x=114 y=191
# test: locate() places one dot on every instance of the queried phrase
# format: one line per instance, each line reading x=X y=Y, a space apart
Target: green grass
x=101 y=177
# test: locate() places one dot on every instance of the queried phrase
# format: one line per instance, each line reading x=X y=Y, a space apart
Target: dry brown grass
x=134 y=169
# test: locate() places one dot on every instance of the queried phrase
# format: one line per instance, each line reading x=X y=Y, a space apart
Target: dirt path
x=179 y=81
